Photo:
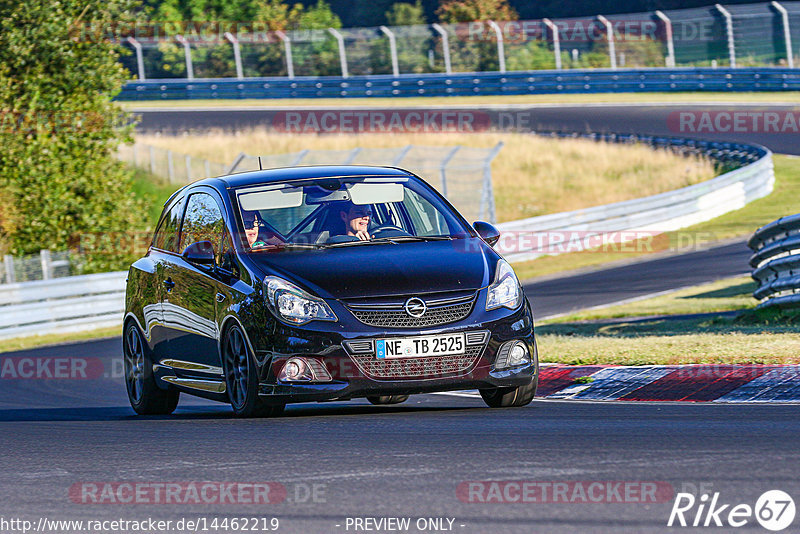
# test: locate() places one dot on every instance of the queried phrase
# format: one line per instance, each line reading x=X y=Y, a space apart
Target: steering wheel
x=396 y=231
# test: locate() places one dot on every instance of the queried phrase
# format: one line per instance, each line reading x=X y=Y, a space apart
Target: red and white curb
x=691 y=383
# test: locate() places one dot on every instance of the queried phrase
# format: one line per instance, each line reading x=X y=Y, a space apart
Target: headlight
x=505 y=290
x=294 y=305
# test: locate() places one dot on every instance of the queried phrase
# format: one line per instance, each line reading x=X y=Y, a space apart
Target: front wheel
x=241 y=378
x=144 y=394
x=510 y=396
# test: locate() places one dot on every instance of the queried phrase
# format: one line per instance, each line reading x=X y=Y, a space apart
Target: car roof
x=282 y=174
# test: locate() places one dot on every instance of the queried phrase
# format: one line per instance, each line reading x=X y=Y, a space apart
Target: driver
x=356 y=220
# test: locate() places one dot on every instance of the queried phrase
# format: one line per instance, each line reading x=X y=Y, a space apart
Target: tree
x=404 y=14
x=471 y=50
x=61 y=129
x=452 y=11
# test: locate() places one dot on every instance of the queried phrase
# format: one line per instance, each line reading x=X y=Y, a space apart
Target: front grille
x=394 y=315
x=429 y=366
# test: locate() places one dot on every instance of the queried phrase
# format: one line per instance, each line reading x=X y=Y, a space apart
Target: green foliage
x=57 y=166
x=452 y=11
x=404 y=14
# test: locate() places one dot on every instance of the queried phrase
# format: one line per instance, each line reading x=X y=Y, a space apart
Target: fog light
x=512 y=354
x=304 y=370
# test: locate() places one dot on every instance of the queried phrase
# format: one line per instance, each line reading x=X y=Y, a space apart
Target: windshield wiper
x=269 y=248
x=360 y=242
x=417 y=238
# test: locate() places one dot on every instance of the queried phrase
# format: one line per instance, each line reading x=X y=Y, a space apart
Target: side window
x=427 y=219
x=203 y=222
x=166 y=237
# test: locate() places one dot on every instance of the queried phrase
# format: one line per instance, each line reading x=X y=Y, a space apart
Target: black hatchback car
x=322 y=283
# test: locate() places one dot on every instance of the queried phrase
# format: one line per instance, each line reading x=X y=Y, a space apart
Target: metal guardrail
x=470 y=84
x=67 y=304
x=776 y=262
x=752 y=179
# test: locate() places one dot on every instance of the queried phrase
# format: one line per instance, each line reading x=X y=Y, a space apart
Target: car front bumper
x=351 y=379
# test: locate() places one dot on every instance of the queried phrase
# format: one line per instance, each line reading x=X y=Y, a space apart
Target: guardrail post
x=137 y=46
x=187 y=56
x=47 y=268
x=670 y=60
x=445 y=47
x=501 y=51
x=287 y=47
x=342 y=53
x=612 y=52
x=8 y=263
x=392 y=49
x=787 y=35
x=443 y=167
x=556 y=41
x=237 y=55
x=729 y=31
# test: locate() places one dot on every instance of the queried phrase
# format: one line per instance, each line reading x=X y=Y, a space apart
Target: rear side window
x=203 y=221
x=166 y=237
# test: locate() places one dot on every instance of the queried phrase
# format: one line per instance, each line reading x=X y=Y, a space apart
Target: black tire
x=241 y=378
x=510 y=396
x=387 y=399
x=145 y=396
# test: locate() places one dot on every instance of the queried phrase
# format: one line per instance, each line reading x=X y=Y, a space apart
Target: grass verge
x=32 y=342
x=618 y=335
x=620 y=98
x=739 y=223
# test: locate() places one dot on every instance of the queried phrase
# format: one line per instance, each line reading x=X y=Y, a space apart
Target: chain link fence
x=462 y=174
x=763 y=34
x=43 y=266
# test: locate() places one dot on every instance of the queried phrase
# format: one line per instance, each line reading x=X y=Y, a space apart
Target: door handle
x=169 y=284
x=220 y=297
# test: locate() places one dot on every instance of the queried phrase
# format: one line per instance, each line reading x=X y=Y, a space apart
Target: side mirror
x=489 y=233
x=201 y=252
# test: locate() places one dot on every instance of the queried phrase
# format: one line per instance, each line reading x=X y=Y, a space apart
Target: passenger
x=252 y=228
x=356 y=220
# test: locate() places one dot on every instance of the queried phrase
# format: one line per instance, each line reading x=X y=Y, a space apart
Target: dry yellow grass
x=531 y=176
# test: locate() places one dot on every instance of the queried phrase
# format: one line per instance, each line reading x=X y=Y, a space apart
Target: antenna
x=260 y=168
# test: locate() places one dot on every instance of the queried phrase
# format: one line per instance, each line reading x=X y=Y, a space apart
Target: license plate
x=417 y=347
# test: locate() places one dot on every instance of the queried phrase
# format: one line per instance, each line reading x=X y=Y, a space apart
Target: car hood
x=384 y=269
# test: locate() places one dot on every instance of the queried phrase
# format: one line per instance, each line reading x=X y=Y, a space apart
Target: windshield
x=334 y=212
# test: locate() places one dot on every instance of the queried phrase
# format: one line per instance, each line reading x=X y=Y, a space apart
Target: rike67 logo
x=774 y=510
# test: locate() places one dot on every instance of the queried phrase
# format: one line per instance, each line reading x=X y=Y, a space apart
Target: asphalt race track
x=650 y=119
x=400 y=461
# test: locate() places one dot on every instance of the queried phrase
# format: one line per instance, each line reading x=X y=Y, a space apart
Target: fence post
x=556 y=41
x=670 y=61
x=342 y=53
x=787 y=35
x=287 y=47
x=300 y=156
x=612 y=52
x=402 y=154
x=188 y=168
x=236 y=161
x=392 y=50
x=501 y=51
x=237 y=55
x=352 y=156
x=135 y=150
x=139 y=59
x=445 y=47
x=8 y=262
x=170 y=167
x=207 y=165
x=443 y=168
x=44 y=255
x=187 y=55
x=488 y=190
x=152 y=152
x=729 y=31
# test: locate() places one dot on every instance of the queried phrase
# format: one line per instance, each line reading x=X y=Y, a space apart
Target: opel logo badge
x=415 y=307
